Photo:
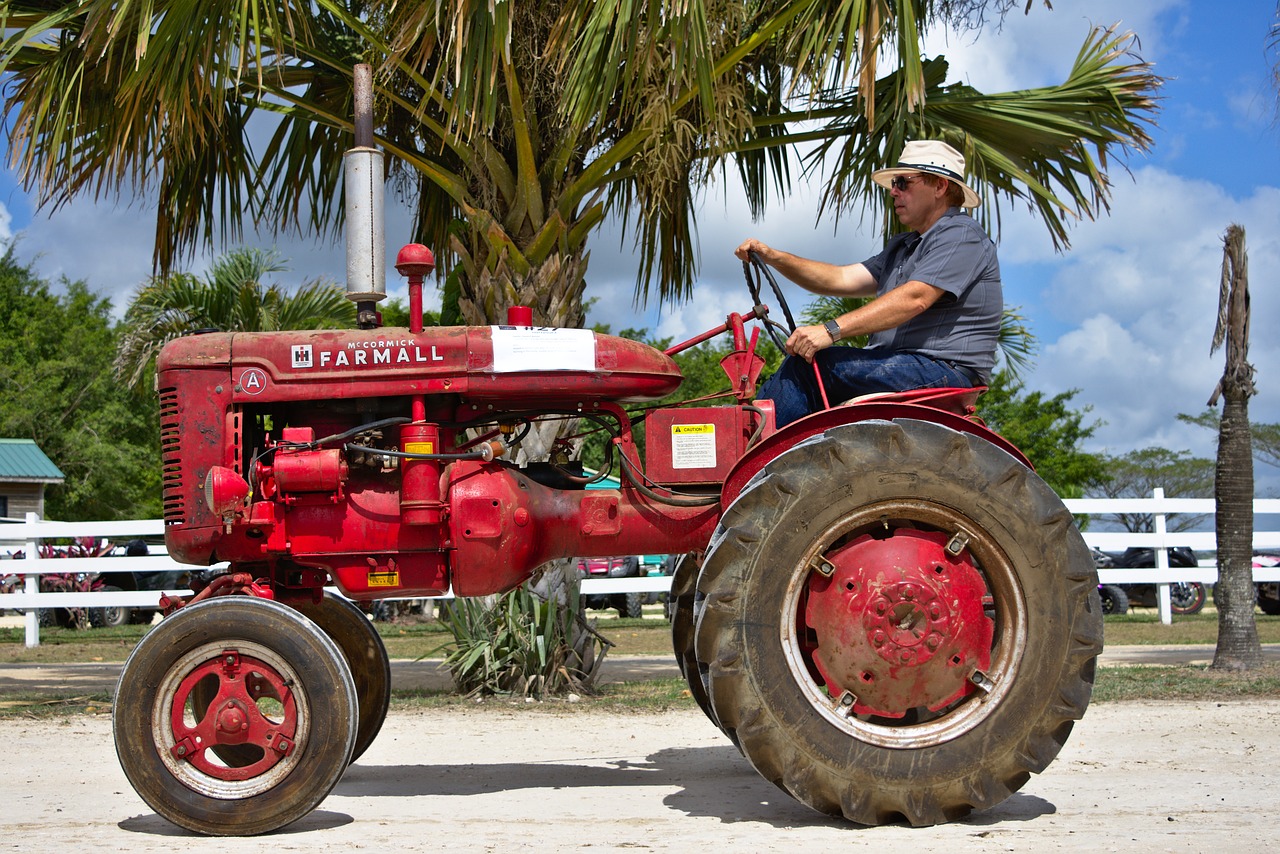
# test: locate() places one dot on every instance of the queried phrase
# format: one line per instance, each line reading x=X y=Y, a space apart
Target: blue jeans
x=848 y=372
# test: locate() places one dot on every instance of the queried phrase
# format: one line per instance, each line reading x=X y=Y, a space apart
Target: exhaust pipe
x=363 y=183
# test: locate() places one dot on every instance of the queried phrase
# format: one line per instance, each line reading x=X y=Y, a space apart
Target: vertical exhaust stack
x=363 y=183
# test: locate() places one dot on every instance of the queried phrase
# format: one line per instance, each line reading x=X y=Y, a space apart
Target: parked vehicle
x=1186 y=597
x=1268 y=591
x=627 y=604
x=158 y=580
x=113 y=582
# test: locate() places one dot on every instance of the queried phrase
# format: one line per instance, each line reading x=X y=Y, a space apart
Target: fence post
x=1163 y=600
x=31 y=584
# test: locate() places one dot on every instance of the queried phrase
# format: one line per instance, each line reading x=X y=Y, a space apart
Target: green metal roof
x=22 y=459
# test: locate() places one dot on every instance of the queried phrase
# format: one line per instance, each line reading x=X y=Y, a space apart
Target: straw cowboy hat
x=934 y=157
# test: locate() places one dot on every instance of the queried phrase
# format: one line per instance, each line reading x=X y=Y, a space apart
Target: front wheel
x=111 y=617
x=366 y=655
x=900 y=621
x=1187 y=597
x=234 y=717
x=1114 y=599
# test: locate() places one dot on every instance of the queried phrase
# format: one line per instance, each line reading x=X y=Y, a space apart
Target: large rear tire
x=901 y=621
x=366 y=655
x=282 y=698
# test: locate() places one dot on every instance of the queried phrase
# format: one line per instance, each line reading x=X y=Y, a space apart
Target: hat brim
x=883 y=177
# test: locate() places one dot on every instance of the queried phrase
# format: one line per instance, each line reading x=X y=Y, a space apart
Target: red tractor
x=881 y=605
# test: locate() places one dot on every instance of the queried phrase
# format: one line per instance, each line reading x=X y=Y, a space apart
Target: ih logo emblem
x=302 y=357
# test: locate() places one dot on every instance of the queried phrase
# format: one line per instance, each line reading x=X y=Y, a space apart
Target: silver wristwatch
x=833 y=329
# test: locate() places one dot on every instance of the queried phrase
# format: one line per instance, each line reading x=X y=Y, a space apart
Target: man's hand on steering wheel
x=806 y=341
x=755 y=270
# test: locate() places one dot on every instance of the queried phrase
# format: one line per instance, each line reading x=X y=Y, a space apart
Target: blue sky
x=1125 y=316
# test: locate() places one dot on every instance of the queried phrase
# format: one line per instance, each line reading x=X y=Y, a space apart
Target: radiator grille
x=171 y=472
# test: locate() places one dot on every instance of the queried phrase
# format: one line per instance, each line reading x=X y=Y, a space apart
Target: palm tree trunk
x=1238 y=647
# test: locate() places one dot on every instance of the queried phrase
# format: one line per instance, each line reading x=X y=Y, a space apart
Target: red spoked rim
x=251 y=733
x=904 y=623
x=252 y=707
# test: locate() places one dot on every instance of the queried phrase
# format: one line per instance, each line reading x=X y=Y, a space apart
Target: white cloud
x=1138 y=298
x=6 y=220
x=108 y=245
x=1039 y=48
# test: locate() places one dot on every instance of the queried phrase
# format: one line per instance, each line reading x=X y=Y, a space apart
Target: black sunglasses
x=901 y=182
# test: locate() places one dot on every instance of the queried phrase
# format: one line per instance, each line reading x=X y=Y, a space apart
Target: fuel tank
x=477 y=363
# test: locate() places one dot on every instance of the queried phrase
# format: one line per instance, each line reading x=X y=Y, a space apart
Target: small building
x=24 y=473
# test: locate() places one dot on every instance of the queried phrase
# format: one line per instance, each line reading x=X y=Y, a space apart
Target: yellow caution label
x=384 y=579
x=688 y=429
x=419 y=447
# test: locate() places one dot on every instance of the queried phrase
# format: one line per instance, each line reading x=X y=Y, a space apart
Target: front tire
x=900 y=621
x=277 y=693
x=1187 y=597
x=366 y=656
x=112 y=617
x=1114 y=599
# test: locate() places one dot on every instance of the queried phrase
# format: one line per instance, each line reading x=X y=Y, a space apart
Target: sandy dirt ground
x=1149 y=777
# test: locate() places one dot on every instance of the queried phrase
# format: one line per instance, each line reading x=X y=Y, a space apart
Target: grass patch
x=43 y=707
x=1144 y=627
x=1184 y=683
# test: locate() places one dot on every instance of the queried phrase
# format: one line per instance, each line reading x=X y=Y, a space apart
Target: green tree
x=232 y=297
x=56 y=388
x=1264 y=438
x=1047 y=430
x=516 y=128
x=1137 y=473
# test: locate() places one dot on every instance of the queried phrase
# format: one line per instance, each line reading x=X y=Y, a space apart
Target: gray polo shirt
x=958 y=257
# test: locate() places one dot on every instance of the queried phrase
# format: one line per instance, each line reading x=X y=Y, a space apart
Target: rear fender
x=797 y=431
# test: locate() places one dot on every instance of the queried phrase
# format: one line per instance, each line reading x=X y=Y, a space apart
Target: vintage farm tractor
x=881 y=605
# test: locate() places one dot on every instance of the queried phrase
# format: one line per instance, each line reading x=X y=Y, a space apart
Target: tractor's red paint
x=263 y=409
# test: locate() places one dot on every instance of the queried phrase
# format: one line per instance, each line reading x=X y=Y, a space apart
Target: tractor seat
x=958 y=401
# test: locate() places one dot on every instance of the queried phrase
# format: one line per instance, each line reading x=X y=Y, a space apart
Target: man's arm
x=819 y=277
x=885 y=312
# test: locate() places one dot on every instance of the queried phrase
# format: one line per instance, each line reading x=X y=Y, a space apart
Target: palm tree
x=232 y=297
x=516 y=128
x=1238 y=647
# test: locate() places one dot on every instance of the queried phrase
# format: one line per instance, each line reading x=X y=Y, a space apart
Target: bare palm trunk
x=1238 y=647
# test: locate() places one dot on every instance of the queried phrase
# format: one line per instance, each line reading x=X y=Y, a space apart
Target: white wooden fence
x=26 y=537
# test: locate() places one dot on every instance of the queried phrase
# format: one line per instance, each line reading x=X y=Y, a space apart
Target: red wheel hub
x=234 y=716
x=896 y=624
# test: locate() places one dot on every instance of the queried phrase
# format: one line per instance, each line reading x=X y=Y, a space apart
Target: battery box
x=696 y=446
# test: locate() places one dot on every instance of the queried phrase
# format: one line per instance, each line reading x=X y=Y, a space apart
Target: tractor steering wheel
x=755 y=269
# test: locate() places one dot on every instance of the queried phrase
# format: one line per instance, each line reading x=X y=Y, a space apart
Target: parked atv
x=1186 y=597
